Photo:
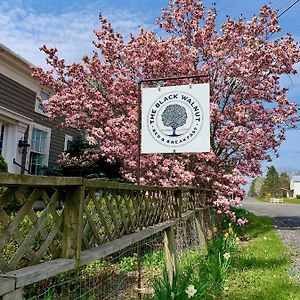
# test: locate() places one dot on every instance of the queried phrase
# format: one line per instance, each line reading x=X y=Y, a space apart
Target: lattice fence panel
x=112 y=213
x=29 y=235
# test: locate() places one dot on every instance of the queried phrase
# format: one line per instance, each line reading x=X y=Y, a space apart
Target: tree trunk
x=174 y=129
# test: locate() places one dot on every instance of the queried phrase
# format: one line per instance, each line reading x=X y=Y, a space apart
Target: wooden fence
x=70 y=222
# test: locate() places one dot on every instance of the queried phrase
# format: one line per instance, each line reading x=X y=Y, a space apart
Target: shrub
x=297 y=196
x=82 y=159
x=153 y=259
x=3 y=165
x=4 y=169
x=127 y=264
x=24 y=229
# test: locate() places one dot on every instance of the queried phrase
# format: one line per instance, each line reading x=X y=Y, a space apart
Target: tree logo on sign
x=175 y=119
x=174 y=116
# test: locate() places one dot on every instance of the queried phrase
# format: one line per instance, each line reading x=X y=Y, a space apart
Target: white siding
x=296 y=188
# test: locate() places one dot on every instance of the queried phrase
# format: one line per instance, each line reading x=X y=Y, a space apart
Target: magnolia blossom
x=249 y=109
x=242 y=221
x=191 y=291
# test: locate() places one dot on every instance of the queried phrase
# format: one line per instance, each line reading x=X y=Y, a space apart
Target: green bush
x=297 y=196
x=4 y=169
x=153 y=259
x=3 y=165
x=97 y=268
x=24 y=228
x=127 y=264
x=82 y=159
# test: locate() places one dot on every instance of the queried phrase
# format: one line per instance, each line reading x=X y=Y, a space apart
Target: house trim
x=15 y=128
x=13 y=117
x=68 y=138
x=17 y=68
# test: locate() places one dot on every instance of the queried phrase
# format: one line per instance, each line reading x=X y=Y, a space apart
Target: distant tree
x=290 y=171
x=259 y=185
x=252 y=188
x=271 y=183
x=256 y=187
x=284 y=183
x=174 y=116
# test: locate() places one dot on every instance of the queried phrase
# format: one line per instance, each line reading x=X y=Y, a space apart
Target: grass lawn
x=291 y=200
x=260 y=269
x=285 y=200
x=262 y=198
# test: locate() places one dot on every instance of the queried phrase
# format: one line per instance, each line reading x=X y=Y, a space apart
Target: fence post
x=72 y=223
x=202 y=198
x=207 y=222
x=192 y=199
x=178 y=203
x=200 y=230
x=170 y=251
x=139 y=269
x=206 y=216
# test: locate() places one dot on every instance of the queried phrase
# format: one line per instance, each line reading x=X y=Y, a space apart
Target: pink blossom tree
x=249 y=109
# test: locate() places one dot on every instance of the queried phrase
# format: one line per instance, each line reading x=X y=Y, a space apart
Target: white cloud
x=24 y=30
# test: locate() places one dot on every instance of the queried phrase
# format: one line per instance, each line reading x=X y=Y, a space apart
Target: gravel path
x=288 y=229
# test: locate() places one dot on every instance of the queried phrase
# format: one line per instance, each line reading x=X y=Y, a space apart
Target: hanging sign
x=176 y=119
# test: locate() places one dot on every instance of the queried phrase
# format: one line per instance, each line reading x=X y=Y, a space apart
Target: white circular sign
x=175 y=119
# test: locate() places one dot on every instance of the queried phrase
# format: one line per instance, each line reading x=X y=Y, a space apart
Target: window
x=38 y=140
x=68 y=140
x=39 y=106
x=39 y=149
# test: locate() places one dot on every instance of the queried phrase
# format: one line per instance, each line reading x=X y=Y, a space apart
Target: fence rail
x=67 y=222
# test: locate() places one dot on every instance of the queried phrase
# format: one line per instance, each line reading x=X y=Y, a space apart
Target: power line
x=281 y=5
x=288 y=8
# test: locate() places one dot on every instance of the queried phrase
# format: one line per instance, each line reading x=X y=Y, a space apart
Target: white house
x=295 y=186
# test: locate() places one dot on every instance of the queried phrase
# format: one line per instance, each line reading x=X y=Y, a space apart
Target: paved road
x=285 y=215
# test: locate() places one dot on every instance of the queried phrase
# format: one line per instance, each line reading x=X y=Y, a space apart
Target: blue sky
x=25 y=25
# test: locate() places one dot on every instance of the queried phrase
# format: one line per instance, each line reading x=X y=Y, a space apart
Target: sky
x=26 y=25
